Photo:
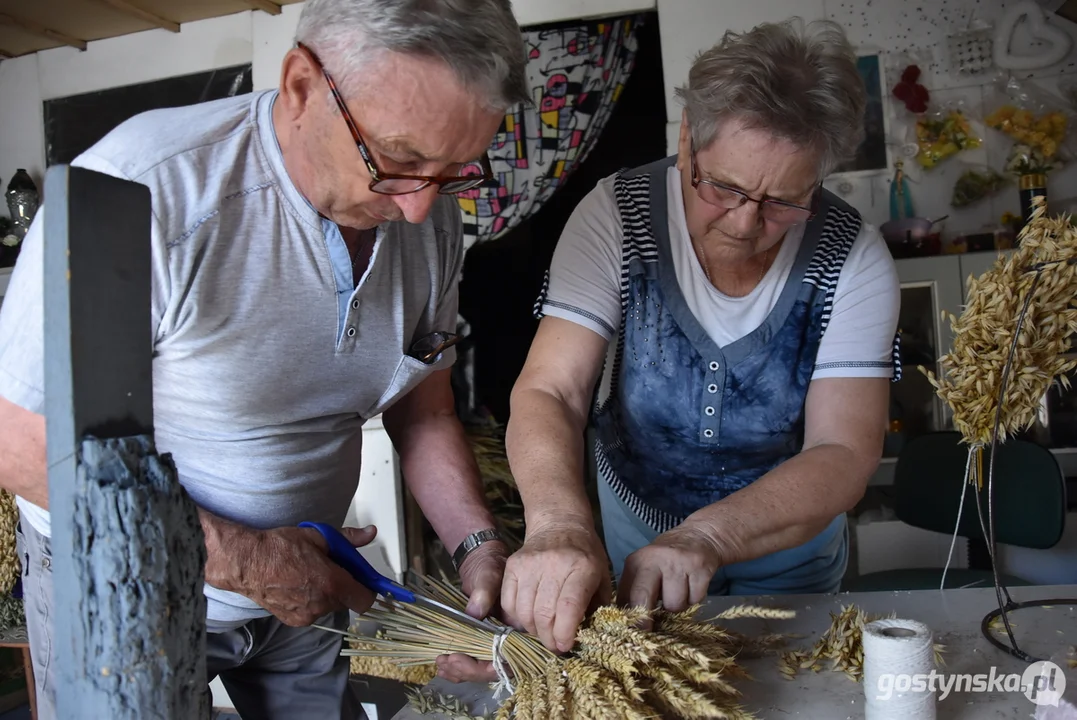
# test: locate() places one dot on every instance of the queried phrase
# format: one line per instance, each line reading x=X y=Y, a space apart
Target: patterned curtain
x=577 y=74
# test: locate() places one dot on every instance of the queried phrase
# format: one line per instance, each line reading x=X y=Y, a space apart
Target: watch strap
x=471 y=543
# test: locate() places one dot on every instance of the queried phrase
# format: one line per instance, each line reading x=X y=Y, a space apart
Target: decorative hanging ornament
x=911 y=92
x=1056 y=42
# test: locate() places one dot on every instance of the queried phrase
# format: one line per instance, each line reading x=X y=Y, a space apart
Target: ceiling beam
x=32 y=27
x=133 y=10
x=265 y=6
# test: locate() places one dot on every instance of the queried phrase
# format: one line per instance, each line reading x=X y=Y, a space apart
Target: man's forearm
x=231 y=551
x=23 y=470
x=786 y=507
x=440 y=471
x=546 y=451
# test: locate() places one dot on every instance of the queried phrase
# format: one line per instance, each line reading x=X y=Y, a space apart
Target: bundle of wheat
x=380 y=667
x=680 y=667
x=9 y=558
x=842 y=644
x=1038 y=280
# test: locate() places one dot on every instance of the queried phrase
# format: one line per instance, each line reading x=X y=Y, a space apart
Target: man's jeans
x=271 y=671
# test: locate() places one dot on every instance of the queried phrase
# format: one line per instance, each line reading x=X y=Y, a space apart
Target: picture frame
x=873 y=157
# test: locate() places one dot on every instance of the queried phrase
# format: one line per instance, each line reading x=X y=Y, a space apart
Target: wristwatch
x=471 y=542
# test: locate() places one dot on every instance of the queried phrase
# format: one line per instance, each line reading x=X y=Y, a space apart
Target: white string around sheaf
x=960 y=507
x=501 y=667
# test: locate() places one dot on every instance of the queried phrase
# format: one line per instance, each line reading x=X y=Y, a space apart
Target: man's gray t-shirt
x=267 y=359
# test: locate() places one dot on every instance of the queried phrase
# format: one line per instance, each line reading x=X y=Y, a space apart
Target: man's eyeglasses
x=722 y=196
x=427 y=348
x=470 y=176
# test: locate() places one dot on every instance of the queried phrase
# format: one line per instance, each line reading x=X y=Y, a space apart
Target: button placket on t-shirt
x=351 y=322
x=710 y=418
x=353 y=318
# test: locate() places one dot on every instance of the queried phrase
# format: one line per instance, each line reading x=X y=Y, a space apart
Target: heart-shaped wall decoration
x=1057 y=42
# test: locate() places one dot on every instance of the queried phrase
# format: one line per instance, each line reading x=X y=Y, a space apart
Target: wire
x=957 y=525
x=1008 y=605
x=985 y=626
x=1038 y=267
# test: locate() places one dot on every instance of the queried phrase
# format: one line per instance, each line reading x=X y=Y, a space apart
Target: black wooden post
x=128 y=551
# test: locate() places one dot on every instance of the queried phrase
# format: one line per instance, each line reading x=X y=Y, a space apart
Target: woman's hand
x=550 y=583
x=676 y=568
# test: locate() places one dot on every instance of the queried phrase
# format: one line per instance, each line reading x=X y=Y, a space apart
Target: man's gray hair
x=478 y=39
x=797 y=82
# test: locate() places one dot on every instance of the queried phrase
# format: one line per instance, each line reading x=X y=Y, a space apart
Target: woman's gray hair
x=798 y=83
x=478 y=39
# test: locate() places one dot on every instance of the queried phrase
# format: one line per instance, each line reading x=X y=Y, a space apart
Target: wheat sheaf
x=681 y=666
x=1039 y=279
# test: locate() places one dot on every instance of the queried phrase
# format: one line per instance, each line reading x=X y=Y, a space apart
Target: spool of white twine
x=898 y=661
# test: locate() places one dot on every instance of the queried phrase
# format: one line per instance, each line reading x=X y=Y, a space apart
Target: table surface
x=954 y=617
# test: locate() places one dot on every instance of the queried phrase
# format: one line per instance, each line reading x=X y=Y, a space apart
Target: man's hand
x=481 y=573
x=676 y=568
x=286 y=570
x=556 y=577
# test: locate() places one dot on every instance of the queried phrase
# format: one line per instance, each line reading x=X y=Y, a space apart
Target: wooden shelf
x=29 y=26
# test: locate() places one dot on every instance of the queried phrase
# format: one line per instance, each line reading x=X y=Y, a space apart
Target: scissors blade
x=452 y=612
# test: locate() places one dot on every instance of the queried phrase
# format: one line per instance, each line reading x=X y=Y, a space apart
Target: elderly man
x=745 y=318
x=306 y=245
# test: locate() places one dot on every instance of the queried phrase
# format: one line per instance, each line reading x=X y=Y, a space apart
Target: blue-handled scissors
x=343 y=553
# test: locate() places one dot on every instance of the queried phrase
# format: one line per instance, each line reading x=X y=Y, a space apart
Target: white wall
x=887 y=27
x=22 y=139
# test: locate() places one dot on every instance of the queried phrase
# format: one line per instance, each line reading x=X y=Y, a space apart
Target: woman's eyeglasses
x=470 y=176
x=728 y=198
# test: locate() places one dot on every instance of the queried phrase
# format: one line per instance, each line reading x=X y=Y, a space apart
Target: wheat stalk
x=681 y=666
x=972 y=372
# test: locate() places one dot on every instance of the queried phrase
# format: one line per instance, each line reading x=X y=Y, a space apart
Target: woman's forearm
x=786 y=507
x=545 y=446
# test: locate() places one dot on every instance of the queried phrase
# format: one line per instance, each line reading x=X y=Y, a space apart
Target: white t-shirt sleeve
x=859 y=339
x=585 y=273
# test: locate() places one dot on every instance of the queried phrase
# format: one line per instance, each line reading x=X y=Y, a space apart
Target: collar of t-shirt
x=339 y=256
x=726 y=319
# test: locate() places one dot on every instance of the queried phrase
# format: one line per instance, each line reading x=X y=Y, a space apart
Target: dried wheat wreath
x=1030 y=293
x=1010 y=345
x=681 y=667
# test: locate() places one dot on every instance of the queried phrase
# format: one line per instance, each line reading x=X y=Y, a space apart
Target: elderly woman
x=745 y=318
